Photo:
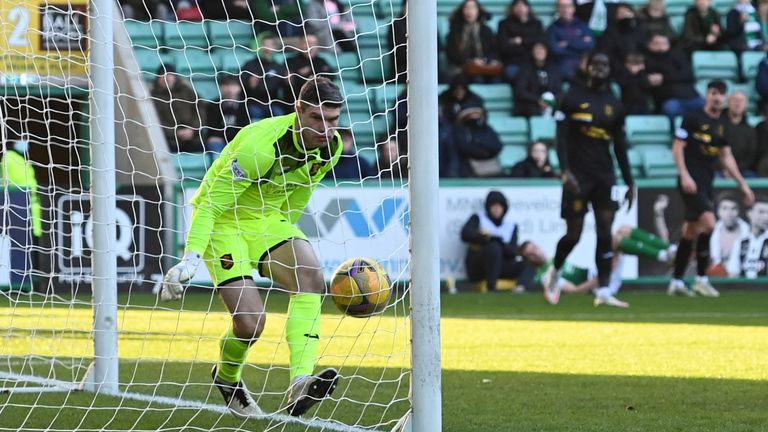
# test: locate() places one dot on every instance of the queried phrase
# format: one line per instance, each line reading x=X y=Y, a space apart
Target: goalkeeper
x=244 y=218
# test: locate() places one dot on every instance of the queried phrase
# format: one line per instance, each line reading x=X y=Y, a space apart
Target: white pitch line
x=644 y=317
x=177 y=402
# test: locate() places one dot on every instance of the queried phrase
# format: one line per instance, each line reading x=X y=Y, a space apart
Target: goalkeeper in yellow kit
x=244 y=218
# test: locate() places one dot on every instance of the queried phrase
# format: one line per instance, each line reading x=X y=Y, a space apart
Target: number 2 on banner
x=19 y=16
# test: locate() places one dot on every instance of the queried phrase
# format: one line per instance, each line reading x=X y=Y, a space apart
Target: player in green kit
x=574 y=279
x=244 y=218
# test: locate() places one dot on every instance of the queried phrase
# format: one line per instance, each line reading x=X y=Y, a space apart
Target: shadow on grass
x=472 y=401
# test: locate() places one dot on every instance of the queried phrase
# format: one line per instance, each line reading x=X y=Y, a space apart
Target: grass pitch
x=511 y=363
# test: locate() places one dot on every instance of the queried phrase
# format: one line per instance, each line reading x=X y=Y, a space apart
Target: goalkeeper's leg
x=294 y=266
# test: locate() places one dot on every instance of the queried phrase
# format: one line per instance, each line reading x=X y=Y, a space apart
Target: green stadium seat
x=715 y=64
x=636 y=164
x=144 y=34
x=367 y=130
x=658 y=162
x=553 y=159
x=648 y=130
x=511 y=130
x=206 y=88
x=385 y=97
x=754 y=120
x=228 y=34
x=359 y=98
x=232 y=59
x=511 y=154
x=677 y=21
x=497 y=97
x=185 y=34
x=750 y=60
x=190 y=165
x=149 y=59
x=193 y=61
x=347 y=63
x=542 y=128
x=677 y=7
x=376 y=65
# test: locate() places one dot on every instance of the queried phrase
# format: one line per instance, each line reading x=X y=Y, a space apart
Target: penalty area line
x=53 y=385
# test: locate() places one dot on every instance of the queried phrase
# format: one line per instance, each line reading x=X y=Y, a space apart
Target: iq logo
x=75 y=246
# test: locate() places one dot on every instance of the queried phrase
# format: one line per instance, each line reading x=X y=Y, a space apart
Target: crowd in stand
x=651 y=65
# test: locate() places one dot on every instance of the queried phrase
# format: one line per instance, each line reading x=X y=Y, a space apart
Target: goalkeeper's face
x=317 y=124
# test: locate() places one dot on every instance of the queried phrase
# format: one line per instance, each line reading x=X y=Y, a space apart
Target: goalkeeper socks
x=232 y=356
x=302 y=332
x=638 y=247
x=648 y=238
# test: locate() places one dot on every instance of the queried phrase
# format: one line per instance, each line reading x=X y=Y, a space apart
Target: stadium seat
x=754 y=120
x=347 y=63
x=376 y=65
x=658 y=162
x=194 y=61
x=750 y=60
x=144 y=34
x=511 y=130
x=359 y=98
x=715 y=64
x=190 y=165
x=367 y=130
x=206 y=88
x=385 y=96
x=511 y=154
x=542 y=128
x=636 y=159
x=232 y=59
x=553 y=159
x=185 y=34
x=648 y=130
x=149 y=59
x=497 y=97
x=227 y=34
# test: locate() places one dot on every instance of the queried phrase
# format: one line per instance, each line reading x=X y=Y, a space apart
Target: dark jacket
x=225 y=119
x=527 y=168
x=761 y=131
x=460 y=52
x=678 y=75
x=659 y=25
x=743 y=141
x=297 y=67
x=177 y=107
x=350 y=166
x=471 y=234
x=530 y=32
x=271 y=85
x=635 y=91
x=622 y=38
x=696 y=28
x=531 y=82
x=475 y=140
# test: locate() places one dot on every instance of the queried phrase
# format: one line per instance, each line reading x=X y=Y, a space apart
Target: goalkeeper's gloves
x=178 y=276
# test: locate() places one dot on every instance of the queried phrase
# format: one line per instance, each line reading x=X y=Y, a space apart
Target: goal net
x=187 y=76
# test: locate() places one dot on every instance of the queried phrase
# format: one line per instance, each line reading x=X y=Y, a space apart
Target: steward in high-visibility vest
x=16 y=171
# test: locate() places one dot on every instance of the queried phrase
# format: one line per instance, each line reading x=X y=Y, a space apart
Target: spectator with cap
x=177 y=108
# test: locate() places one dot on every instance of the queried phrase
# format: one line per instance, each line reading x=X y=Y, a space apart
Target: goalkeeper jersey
x=573 y=274
x=263 y=173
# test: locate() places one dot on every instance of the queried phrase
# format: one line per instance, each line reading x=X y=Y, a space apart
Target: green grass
x=511 y=362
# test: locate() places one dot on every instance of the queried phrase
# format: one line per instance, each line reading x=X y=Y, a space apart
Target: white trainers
x=237 y=397
x=610 y=301
x=705 y=288
x=311 y=390
x=551 y=285
x=676 y=286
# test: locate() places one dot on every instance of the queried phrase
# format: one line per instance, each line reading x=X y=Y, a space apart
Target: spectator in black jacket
x=538 y=83
x=517 y=34
x=656 y=21
x=305 y=65
x=265 y=80
x=351 y=166
x=226 y=116
x=453 y=100
x=477 y=144
x=741 y=136
x=635 y=88
x=702 y=28
x=536 y=164
x=762 y=148
x=743 y=31
x=397 y=40
x=471 y=45
x=670 y=77
x=761 y=84
x=626 y=34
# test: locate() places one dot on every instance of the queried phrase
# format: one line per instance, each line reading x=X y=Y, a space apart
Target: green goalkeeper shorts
x=235 y=250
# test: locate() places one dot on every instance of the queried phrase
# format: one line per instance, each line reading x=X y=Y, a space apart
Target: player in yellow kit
x=244 y=218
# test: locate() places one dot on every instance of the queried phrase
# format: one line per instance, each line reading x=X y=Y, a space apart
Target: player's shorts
x=235 y=250
x=599 y=193
x=698 y=203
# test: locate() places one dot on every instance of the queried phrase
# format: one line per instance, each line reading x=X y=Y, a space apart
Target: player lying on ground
x=573 y=279
x=244 y=218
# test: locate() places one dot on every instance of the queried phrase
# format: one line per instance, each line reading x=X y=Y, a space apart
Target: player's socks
x=639 y=247
x=702 y=253
x=681 y=259
x=303 y=333
x=233 y=352
x=648 y=238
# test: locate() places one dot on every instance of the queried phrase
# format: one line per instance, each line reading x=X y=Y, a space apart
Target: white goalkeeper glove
x=178 y=276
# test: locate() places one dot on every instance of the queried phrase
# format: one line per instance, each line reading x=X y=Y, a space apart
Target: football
x=360 y=287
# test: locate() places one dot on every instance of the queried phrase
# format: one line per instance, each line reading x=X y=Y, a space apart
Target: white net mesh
x=187 y=79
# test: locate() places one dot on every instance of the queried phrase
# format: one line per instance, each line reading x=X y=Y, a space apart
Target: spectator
x=517 y=34
x=761 y=84
x=656 y=21
x=536 y=164
x=304 y=66
x=538 y=84
x=16 y=170
x=265 y=80
x=398 y=41
x=741 y=136
x=491 y=237
x=569 y=38
x=626 y=34
x=701 y=28
x=282 y=17
x=743 y=31
x=176 y=105
x=225 y=10
x=471 y=46
x=634 y=85
x=350 y=165
x=761 y=131
x=762 y=18
x=145 y=10
x=670 y=77
x=477 y=144
x=392 y=164
x=453 y=100
x=331 y=23
x=226 y=116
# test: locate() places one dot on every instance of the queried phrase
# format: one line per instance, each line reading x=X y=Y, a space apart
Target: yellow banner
x=43 y=38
